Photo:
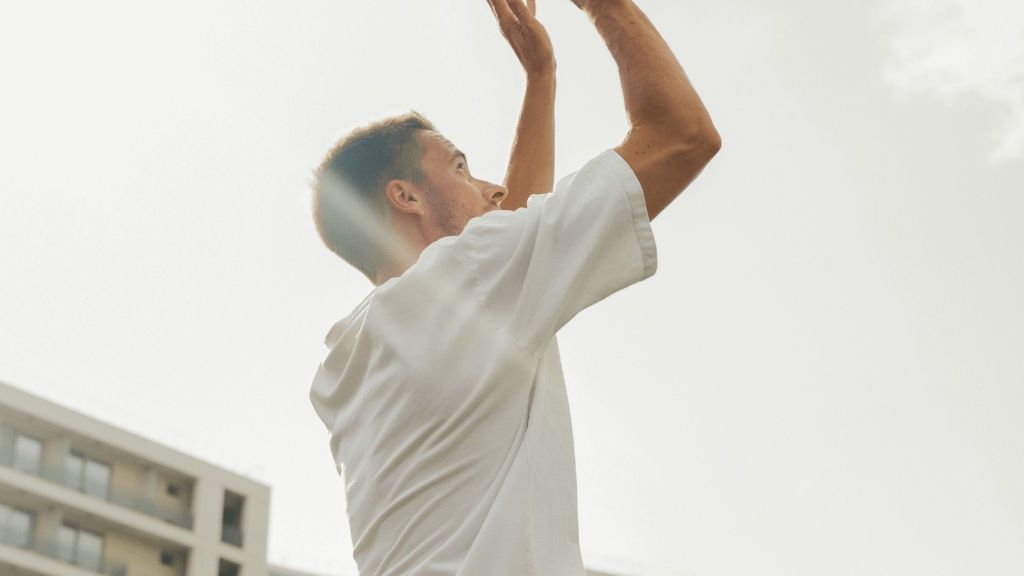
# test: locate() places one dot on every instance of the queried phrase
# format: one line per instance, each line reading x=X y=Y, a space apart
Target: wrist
x=541 y=77
x=596 y=8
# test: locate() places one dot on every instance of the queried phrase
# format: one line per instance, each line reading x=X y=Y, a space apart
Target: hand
x=528 y=38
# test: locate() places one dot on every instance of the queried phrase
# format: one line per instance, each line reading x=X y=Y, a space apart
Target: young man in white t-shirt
x=443 y=390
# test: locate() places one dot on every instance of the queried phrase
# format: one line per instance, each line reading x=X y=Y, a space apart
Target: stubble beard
x=450 y=217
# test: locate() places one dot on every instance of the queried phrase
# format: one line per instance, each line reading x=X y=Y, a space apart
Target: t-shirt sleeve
x=540 y=266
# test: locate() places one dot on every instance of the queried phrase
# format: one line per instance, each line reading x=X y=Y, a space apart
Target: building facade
x=79 y=497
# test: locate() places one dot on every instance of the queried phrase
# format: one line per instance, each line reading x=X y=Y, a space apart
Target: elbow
x=704 y=139
x=712 y=141
x=700 y=143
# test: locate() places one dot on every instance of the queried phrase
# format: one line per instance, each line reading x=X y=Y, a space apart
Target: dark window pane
x=227 y=568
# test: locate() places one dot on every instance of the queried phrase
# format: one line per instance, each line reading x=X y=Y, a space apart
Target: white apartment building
x=79 y=497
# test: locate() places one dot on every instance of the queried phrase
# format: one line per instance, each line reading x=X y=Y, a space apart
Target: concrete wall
x=142 y=559
x=180 y=503
x=140 y=468
x=125 y=477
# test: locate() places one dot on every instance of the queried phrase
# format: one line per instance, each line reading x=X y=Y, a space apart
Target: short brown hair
x=349 y=207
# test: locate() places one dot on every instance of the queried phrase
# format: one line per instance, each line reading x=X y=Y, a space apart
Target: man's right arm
x=671 y=137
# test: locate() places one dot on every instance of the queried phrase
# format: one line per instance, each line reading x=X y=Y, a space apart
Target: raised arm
x=531 y=166
x=671 y=137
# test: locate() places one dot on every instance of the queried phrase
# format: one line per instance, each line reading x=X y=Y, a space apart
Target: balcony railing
x=136 y=502
x=51 y=549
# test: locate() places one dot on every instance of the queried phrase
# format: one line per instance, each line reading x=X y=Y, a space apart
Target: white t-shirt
x=443 y=390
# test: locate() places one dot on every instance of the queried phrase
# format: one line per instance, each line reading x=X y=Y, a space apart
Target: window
x=228 y=568
x=67 y=536
x=97 y=477
x=79 y=547
x=167 y=559
x=90 y=551
x=173 y=489
x=74 y=464
x=27 y=454
x=16 y=526
x=232 y=519
x=86 y=475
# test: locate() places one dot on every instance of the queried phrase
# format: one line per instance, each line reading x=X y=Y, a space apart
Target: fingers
x=512 y=12
x=522 y=11
x=503 y=13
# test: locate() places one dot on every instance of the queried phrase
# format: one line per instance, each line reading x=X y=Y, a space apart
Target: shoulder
x=606 y=171
x=607 y=174
x=349 y=323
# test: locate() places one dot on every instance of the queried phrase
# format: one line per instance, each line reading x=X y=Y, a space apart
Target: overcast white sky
x=826 y=376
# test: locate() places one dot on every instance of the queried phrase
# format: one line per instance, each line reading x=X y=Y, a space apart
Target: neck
x=391 y=270
x=406 y=253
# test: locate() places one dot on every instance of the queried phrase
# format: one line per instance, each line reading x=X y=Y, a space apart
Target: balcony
x=51 y=549
x=102 y=491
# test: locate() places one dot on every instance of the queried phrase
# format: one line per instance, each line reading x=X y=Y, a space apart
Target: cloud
x=949 y=48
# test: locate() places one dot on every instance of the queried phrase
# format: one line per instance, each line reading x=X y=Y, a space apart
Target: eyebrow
x=457 y=153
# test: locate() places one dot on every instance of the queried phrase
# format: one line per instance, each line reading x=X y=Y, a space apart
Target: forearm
x=671 y=138
x=531 y=166
x=657 y=92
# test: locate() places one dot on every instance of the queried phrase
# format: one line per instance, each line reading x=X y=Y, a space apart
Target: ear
x=405 y=197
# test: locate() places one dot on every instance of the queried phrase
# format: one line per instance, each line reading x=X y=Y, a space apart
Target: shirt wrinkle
x=487 y=307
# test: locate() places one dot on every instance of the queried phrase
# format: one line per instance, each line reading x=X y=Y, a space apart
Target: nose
x=495 y=194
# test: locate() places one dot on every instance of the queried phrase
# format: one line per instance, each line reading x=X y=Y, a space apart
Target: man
x=443 y=390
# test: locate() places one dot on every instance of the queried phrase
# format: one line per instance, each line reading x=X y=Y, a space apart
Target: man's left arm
x=531 y=166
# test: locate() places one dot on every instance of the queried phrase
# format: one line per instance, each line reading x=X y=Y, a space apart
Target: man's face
x=454 y=196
